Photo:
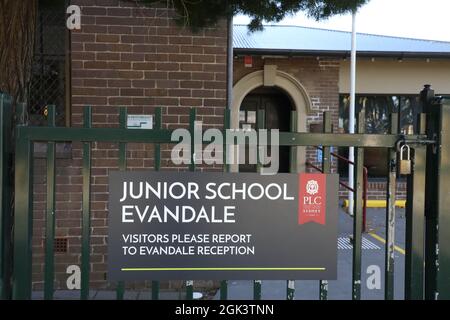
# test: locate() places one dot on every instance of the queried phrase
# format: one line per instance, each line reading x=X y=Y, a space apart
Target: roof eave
x=341 y=53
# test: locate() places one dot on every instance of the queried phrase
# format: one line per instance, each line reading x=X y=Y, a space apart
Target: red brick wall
x=138 y=58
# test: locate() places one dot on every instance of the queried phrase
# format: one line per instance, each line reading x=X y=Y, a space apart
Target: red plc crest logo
x=312 y=198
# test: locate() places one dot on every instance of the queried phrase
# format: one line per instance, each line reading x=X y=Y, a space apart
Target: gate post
x=23 y=213
x=443 y=262
x=427 y=96
x=437 y=264
x=415 y=227
x=358 y=208
x=5 y=196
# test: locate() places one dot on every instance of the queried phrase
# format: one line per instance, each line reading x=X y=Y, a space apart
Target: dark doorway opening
x=277 y=106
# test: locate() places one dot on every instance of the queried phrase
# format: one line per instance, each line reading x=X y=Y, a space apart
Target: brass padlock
x=405 y=164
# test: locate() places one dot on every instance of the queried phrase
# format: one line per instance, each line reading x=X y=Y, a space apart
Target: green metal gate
x=427 y=212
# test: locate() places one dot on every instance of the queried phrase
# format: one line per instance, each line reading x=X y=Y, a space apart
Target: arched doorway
x=277 y=106
x=272 y=78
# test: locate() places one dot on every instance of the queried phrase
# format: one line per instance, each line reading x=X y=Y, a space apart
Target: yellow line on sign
x=223 y=269
x=375 y=236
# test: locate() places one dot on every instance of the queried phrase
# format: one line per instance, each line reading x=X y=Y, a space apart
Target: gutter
x=340 y=53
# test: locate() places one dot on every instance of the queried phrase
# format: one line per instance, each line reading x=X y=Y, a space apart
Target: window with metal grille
x=48 y=79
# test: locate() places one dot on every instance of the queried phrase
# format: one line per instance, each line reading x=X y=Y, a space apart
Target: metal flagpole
x=351 y=123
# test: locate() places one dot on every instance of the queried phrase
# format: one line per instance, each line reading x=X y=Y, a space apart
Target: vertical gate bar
x=226 y=168
x=5 y=196
x=227 y=126
x=3 y=213
x=192 y=129
x=192 y=117
x=260 y=124
x=415 y=224
x=23 y=215
x=422 y=125
x=290 y=284
x=120 y=291
x=290 y=289
x=158 y=126
x=86 y=215
x=257 y=284
x=293 y=150
x=433 y=116
x=7 y=185
x=415 y=227
x=390 y=215
x=326 y=154
x=223 y=290
x=326 y=168
x=50 y=212
x=357 y=217
x=443 y=257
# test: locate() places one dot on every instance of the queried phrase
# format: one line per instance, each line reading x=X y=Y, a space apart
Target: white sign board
x=251 y=117
x=140 y=121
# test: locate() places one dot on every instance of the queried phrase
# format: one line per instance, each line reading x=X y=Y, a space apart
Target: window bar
x=49 y=272
x=86 y=214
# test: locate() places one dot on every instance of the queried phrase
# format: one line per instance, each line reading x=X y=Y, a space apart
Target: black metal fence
x=427 y=261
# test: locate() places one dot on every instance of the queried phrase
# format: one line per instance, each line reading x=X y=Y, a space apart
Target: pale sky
x=419 y=19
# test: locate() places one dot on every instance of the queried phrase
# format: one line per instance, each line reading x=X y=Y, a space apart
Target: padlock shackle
x=408 y=154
